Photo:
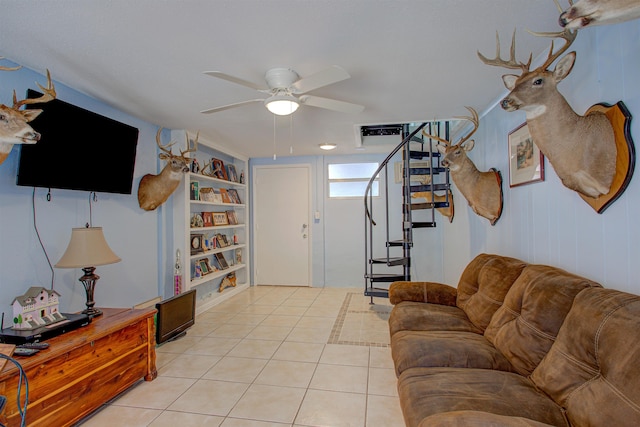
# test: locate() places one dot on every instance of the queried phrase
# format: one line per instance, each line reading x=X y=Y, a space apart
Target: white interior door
x=282 y=240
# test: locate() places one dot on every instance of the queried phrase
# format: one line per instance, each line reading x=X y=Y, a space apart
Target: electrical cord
x=35 y=227
x=23 y=377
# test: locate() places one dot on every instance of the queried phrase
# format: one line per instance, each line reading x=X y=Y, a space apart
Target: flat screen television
x=175 y=316
x=78 y=150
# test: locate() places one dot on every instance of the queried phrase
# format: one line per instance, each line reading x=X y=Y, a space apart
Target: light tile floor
x=271 y=357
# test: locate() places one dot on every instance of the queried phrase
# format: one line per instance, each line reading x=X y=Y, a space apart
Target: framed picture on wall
x=526 y=162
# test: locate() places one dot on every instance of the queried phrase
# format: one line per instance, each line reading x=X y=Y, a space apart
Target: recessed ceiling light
x=328 y=146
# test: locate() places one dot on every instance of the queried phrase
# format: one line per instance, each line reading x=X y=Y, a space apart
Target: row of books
x=213 y=219
x=215 y=195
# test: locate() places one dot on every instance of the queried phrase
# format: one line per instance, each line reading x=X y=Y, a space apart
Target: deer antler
x=9 y=68
x=189 y=148
x=437 y=138
x=568 y=36
x=511 y=63
x=49 y=94
x=473 y=119
x=166 y=148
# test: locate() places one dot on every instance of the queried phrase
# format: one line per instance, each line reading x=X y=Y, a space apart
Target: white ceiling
x=409 y=60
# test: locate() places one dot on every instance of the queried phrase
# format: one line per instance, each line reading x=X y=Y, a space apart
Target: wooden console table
x=83 y=369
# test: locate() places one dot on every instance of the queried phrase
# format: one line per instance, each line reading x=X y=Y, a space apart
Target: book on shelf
x=231 y=216
x=219 y=170
x=194 y=194
x=207 y=194
x=222 y=262
x=231 y=173
x=234 y=196
x=207 y=217
x=222 y=240
x=225 y=195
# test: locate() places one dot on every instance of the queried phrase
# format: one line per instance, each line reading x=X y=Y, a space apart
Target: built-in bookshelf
x=215 y=253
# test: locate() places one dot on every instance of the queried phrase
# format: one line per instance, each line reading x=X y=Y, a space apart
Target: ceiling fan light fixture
x=328 y=146
x=282 y=105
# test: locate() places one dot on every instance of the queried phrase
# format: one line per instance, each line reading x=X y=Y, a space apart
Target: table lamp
x=88 y=248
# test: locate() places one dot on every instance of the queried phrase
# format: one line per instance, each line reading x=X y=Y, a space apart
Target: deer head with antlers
x=587 y=13
x=13 y=121
x=581 y=149
x=483 y=190
x=154 y=190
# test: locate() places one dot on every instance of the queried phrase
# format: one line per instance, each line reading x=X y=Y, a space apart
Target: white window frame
x=352 y=179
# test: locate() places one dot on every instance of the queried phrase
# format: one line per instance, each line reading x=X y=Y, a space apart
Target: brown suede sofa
x=516 y=344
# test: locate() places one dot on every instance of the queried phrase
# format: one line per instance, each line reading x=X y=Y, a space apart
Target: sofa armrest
x=436 y=293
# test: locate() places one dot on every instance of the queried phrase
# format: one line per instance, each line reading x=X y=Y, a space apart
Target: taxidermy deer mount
x=154 y=190
x=483 y=190
x=581 y=149
x=13 y=121
x=447 y=212
x=588 y=13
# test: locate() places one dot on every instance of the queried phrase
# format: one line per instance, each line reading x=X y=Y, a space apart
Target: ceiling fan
x=287 y=91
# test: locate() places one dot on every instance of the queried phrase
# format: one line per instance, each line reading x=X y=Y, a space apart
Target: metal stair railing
x=370 y=277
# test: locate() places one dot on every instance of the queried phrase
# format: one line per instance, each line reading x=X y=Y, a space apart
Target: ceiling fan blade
x=322 y=78
x=331 y=104
x=229 y=106
x=235 y=80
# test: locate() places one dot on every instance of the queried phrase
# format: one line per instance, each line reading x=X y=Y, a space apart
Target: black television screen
x=175 y=316
x=78 y=150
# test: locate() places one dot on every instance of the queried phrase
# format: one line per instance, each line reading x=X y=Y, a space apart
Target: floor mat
x=362 y=323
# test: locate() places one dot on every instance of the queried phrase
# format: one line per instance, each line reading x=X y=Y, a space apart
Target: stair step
x=418 y=206
x=426 y=171
x=424 y=188
x=424 y=224
x=384 y=277
x=380 y=293
x=390 y=261
x=399 y=243
x=423 y=154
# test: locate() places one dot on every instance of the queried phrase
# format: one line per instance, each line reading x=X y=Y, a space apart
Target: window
x=351 y=179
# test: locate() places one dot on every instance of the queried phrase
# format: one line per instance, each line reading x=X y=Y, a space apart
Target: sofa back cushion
x=593 y=368
x=484 y=284
x=526 y=325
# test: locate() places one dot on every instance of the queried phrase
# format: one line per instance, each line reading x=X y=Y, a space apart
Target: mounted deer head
x=587 y=13
x=483 y=190
x=13 y=121
x=581 y=149
x=154 y=190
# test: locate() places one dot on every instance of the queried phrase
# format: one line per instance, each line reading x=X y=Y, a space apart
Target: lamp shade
x=281 y=105
x=87 y=247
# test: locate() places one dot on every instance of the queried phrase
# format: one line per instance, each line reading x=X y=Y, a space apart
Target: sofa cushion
x=526 y=325
x=427 y=391
x=432 y=292
x=477 y=419
x=411 y=349
x=484 y=284
x=420 y=316
x=593 y=368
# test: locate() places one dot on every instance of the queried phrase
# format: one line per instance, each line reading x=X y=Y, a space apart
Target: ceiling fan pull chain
x=274 y=137
x=291 y=134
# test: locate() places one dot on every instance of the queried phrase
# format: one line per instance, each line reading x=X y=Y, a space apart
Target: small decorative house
x=36 y=308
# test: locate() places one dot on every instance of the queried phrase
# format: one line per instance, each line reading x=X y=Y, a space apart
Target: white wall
x=131 y=232
x=546 y=222
x=338 y=236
